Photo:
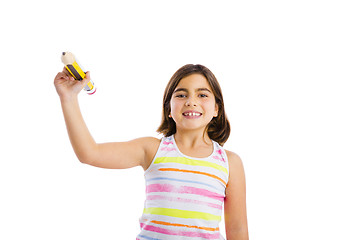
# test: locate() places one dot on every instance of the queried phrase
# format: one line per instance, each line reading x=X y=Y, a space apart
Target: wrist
x=68 y=99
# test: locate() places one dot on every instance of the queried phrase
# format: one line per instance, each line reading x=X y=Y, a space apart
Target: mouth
x=192 y=114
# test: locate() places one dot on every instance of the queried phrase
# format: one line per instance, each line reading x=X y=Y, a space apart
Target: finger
x=87 y=75
x=61 y=75
x=87 y=78
x=65 y=71
x=67 y=75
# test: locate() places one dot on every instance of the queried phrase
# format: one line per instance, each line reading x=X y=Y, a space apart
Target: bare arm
x=235 y=201
x=81 y=140
x=138 y=152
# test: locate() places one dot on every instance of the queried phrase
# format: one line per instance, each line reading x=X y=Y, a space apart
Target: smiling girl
x=189 y=176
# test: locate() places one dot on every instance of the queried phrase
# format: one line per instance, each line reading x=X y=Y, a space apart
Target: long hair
x=219 y=127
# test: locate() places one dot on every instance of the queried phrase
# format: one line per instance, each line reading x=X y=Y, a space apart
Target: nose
x=190 y=102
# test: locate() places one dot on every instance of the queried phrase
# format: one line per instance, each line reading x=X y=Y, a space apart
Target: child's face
x=193 y=103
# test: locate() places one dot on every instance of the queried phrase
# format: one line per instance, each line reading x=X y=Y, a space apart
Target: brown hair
x=219 y=127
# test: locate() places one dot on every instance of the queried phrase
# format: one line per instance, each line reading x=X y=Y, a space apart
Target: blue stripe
x=180 y=180
x=149 y=238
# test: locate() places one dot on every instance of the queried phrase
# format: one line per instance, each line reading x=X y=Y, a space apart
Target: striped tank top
x=184 y=195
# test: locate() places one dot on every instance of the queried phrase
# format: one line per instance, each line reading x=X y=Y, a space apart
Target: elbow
x=86 y=158
x=87 y=155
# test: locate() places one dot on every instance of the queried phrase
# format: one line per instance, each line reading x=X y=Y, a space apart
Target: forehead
x=194 y=81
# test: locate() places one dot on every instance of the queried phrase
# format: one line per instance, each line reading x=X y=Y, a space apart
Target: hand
x=68 y=87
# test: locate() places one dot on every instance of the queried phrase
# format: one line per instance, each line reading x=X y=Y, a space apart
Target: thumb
x=87 y=74
x=86 y=79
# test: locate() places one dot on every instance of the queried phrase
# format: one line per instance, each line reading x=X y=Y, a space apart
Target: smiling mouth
x=192 y=114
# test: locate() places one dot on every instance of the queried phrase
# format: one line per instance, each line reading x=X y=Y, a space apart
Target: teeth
x=192 y=114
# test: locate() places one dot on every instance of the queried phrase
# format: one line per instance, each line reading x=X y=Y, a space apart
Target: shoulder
x=236 y=181
x=148 y=140
x=150 y=146
x=233 y=157
x=235 y=163
x=148 y=143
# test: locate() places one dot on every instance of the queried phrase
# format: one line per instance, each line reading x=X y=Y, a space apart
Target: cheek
x=173 y=106
x=209 y=105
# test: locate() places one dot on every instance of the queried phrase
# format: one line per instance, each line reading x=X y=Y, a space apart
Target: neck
x=192 y=138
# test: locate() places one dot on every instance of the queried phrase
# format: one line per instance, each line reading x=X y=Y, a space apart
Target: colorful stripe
x=147 y=238
x=219 y=158
x=168 y=149
x=190 y=171
x=170 y=212
x=191 y=162
x=184 y=200
x=184 y=195
x=183 y=225
x=183 y=189
x=181 y=180
x=180 y=233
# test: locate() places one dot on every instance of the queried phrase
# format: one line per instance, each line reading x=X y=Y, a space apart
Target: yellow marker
x=75 y=70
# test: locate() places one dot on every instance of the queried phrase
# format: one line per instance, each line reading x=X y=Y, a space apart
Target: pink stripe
x=179 y=233
x=183 y=189
x=167 y=143
x=157 y=197
x=168 y=149
x=220 y=152
x=218 y=158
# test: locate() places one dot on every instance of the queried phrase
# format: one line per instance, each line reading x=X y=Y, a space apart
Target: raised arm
x=138 y=152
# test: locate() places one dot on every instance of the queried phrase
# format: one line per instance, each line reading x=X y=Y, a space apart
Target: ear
x=216 y=113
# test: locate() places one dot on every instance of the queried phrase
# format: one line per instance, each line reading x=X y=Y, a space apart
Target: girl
x=188 y=173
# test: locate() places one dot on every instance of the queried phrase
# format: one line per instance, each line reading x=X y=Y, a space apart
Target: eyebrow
x=186 y=90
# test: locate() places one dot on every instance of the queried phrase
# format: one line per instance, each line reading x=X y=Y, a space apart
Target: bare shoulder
x=148 y=140
x=236 y=181
x=150 y=145
x=236 y=167
x=233 y=158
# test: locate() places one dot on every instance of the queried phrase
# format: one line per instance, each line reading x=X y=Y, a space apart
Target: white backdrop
x=289 y=71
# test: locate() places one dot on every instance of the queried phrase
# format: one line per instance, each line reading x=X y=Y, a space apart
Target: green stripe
x=187 y=161
x=181 y=213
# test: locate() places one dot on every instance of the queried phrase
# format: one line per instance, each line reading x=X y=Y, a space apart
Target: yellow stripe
x=90 y=85
x=187 y=161
x=181 y=213
x=70 y=72
x=81 y=73
x=78 y=69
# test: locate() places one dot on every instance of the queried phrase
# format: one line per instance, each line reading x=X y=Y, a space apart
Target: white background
x=289 y=71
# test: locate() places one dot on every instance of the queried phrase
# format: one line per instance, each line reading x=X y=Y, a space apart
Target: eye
x=180 y=96
x=203 y=95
